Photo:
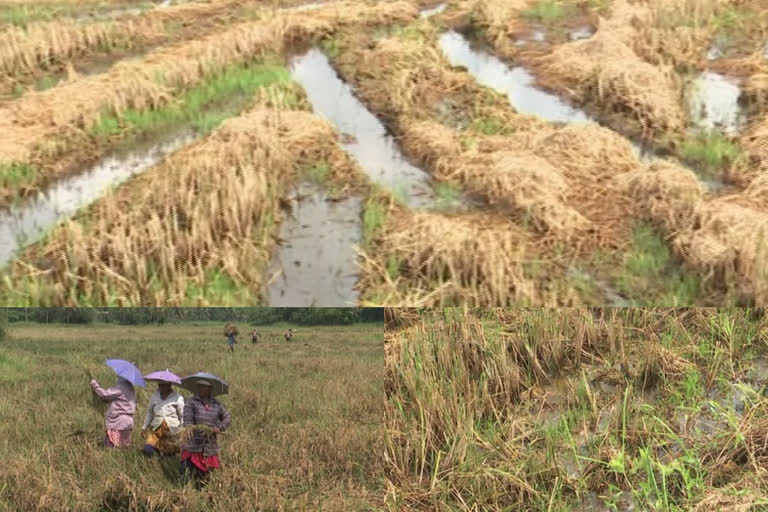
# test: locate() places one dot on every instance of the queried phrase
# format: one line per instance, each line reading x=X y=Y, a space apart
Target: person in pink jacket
x=118 y=419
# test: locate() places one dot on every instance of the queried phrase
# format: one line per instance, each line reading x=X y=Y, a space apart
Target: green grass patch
x=205 y=106
x=318 y=173
x=220 y=289
x=331 y=47
x=546 y=11
x=447 y=195
x=709 y=152
x=489 y=126
x=374 y=215
x=650 y=274
x=15 y=174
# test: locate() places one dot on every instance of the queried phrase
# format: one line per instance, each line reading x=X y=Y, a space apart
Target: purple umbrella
x=164 y=376
x=126 y=370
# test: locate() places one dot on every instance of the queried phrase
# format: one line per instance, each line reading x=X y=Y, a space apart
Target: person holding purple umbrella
x=165 y=413
x=118 y=419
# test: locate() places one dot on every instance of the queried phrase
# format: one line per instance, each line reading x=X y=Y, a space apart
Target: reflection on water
x=315 y=262
x=426 y=13
x=27 y=221
x=714 y=103
x=374 y=149
x=515 y=82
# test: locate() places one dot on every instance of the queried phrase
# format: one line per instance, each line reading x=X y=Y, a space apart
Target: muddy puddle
x=315 y=263
x=579 y=33
x=111 y=14
x=426 y=13
x=364 y=137
x=714 y=103
x=516 y=83
x=28 y=221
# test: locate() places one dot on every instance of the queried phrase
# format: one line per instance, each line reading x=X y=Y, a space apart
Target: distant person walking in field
x=165 y=413
x=289 y=334
x=254 y=336
x=118 y=418
x=204 y=418
x=231 y=332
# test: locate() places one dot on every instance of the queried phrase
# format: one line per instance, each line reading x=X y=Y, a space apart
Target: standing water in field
x=516 y=82
x=27 y=222
x=714 y=103
x=315 y=264
x=374 y=149
x=426 y=13
x=581 y=33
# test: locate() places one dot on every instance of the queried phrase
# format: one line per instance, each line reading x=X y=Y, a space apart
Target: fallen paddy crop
x=199 y=228
x=468 y=135
x=576 y=409
x=150 y=83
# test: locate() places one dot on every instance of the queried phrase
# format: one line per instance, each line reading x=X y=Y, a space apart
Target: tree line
x=138 y=316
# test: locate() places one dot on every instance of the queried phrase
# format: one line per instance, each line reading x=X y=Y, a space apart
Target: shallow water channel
x=516 y=83
x=316 y=264
x=29 y=220
x=714 y=103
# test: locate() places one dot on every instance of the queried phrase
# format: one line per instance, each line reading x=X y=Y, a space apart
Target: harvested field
x=306 y=430
x=542 y=152
x=590 y=409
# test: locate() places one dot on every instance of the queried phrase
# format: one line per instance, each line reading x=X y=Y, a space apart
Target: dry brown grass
x=472 y=259
x=208 y=208
x=152 y=81
x=605 y=70
x=729 y=242
x=753 y=159
x=42 y=45
x=667 y=193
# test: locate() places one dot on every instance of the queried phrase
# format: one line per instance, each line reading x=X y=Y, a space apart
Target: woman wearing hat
x=200 y=453
x=162 y=425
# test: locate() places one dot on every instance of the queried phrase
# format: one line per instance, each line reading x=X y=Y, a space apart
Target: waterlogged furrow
x=31 y=125
x=363 y=135
x=25 y=222
x=315 y=262
x=195 y=230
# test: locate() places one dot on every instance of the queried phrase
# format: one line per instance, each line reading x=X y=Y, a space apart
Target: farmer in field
x=204 y=418
x=254 y=336
x=118 y=418
x=165 y=413
x=231 y=332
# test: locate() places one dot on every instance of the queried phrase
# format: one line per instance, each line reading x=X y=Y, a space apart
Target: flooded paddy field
x=589 y=409
x=547 y=152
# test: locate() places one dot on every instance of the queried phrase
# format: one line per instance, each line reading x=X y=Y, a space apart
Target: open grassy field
x=306 y=430
x=501 y=152
x=590 y=409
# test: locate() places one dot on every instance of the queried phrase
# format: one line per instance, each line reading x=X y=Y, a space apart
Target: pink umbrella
x=164 y=376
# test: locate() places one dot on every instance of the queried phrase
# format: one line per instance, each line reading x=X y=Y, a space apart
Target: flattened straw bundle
x=480 y=255
x=730 y=241
x=522 y=182
x=666 y=193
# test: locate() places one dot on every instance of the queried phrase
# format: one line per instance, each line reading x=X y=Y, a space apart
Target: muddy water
x=28 y=221
x=364 y=136
x=426 y=13
x=516 y=83
x=714 y=103
x=315 y=264
x=581 y=33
